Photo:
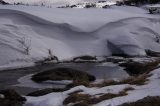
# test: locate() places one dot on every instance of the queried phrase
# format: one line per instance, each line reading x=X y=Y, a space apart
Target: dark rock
x=12 y=95
x=114 y=59
x=90 y=5
x=3 y=2
x=152 y=53
x=106 y=6
x=6 y=102
x=46 y=91
x=58 y=74
x=11 y=98
x=85 y=58
x=72 y=6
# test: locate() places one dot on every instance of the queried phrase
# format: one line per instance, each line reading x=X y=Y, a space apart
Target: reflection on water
x=100 y=71
x=107 y=70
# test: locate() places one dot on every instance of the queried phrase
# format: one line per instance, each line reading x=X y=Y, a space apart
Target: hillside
x=79 y=56
x=67 y=30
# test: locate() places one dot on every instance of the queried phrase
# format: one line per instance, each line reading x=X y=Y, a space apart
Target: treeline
x=137 y=2
x=145 y=1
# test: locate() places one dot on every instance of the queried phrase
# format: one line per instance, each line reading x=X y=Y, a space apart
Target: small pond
x=20 y=79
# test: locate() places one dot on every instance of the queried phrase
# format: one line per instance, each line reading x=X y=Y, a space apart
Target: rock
x=11 y=98
x=152 y=53
x=85 y=58
x=3 y=2
x=59 y=74
x=12 y=95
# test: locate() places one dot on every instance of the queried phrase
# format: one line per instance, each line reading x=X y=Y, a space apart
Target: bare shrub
x=25 y=44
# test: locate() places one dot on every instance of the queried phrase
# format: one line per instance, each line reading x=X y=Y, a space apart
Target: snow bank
x=68 y=33
x=150 y=89
x=56 y=99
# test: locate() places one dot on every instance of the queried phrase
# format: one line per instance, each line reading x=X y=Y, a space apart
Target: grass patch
x=137 y=68
x=77 y=83
x=88 y=100
x=139 y=80
x=58 y=74
x=147 y=101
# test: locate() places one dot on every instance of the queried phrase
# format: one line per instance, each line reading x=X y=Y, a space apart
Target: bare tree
x=51 y=56
x=25 y=44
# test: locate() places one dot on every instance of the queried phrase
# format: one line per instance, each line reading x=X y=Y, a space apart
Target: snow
x=150 y=89
x=155 y=6
x=56 y=99
x=56 y=2
x=109 y=89
x=26 y=81
x=144 y=59
x=74 y=32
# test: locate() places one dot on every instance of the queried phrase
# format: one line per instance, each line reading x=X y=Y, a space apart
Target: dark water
x=107 y=70
x=20 y=77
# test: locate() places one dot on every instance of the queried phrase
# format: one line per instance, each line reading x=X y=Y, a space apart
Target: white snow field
x=55 y=2
x=56 y=99
x=74 y=32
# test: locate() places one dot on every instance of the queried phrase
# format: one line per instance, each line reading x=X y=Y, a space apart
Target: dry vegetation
x=11 y=98
x=88 y=100
x=139 y=80
x=59 y=74
x=137 y=68
x=147 y=101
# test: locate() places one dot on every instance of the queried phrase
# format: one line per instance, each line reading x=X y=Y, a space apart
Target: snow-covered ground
x=74 y=32
x=55 y=3
x=151 y=88
x=28 y=33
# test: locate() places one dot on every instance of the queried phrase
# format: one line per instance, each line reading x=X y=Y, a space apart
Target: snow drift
x=119 y=30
